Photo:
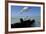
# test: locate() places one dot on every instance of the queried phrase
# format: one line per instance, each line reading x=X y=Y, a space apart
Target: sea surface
x=16 y=19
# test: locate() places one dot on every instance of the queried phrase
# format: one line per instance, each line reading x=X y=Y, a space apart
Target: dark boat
x=23 y=24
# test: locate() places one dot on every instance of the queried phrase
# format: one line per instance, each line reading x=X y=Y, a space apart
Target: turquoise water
x=17 y=20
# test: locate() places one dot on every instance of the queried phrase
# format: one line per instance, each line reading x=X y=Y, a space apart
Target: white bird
x=25 y=9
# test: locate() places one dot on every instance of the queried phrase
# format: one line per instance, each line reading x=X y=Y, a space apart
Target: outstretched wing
x=25 y=9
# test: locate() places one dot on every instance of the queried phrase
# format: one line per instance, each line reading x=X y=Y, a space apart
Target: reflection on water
x=17 y=20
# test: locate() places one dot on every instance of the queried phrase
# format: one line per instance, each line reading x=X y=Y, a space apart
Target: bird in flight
x=25 y=9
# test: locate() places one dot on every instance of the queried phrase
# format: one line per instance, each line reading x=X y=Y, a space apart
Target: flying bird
x=25 y=9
